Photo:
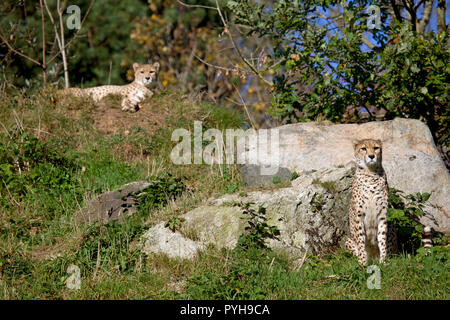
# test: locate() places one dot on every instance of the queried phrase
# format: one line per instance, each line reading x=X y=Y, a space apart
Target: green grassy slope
x=55 y=156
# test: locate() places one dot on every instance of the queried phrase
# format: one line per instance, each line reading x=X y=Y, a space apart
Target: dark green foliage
x=295 y=175
x=233 y=183
x=164 y=188
x=322 y=71
x=105 y=56
x=405 y=212
x=252 y=274
x=257 y=231
x=102 y=53
x=174 y=223
x=261 y=274
x=14 y=264
x=112 y=243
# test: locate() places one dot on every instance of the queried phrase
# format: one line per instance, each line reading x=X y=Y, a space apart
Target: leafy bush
x=174 y=223
x=13 y=264
x=405 y=212
x=163 y=189
x=258 y=230
x=255 y=273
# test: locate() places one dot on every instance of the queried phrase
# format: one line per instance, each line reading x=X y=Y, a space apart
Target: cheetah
x=371 y=236
x=132 y=94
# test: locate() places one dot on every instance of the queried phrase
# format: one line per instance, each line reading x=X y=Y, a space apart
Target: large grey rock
x=311 y=216
x=218 y=225
x=410 y=158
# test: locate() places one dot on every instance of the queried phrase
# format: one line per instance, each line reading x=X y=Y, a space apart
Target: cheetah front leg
x=351 y=246
x=127 y=105
x=361 y=244
x=382 y=239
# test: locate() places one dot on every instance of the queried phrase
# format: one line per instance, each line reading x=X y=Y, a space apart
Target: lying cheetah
x=132 y=94
x=370 y=234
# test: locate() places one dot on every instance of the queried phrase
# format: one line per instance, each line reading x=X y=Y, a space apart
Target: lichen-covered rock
x=219 y=225
x=160 y=239
x=311 y=215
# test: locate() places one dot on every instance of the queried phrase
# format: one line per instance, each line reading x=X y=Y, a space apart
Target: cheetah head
x=368 y=153
x=145 y=74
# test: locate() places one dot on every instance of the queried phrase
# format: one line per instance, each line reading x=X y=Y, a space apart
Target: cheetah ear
x=135 y=66
x=156 y=65
x=355 y=143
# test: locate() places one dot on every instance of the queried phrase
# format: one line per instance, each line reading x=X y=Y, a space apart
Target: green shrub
x=257 y=229
x=174 y=223
x=405 y=212
x=163 y=188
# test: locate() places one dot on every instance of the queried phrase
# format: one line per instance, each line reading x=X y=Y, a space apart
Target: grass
x=55 y=157
x=329 y=186
x=261 y=274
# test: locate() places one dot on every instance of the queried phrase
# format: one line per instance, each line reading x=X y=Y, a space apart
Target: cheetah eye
x=152 y=72
x=376 y=148
x=363 y=149
x=142 y=71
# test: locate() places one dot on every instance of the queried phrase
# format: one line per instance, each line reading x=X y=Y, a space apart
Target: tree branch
x=425 y=17
x=195 y=5
x=75 y=35
x=44 y=66
x=216 y=66
x=396 y=12
x=419 y=4
x=63 y=52
x=245 y=106
x=58 y=39
x=367 y=42
x=442 y=27
x=18 y=52
x=412 y=18
x=238 y=51
x=336 y=16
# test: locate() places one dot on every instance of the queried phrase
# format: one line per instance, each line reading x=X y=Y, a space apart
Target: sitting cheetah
x=132 y=94
x=370 y=234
